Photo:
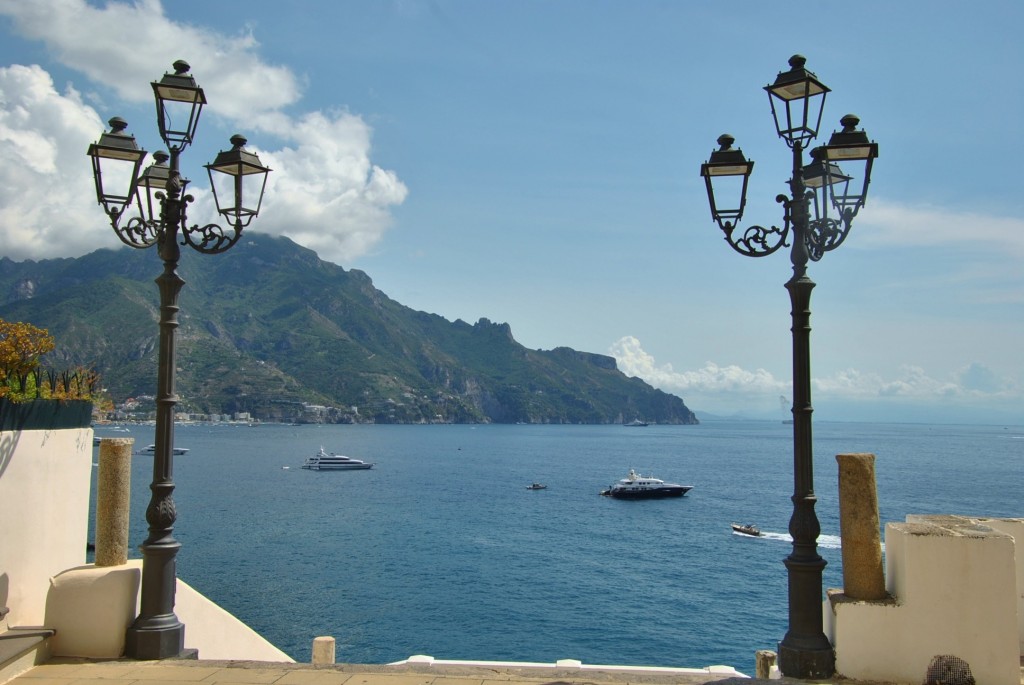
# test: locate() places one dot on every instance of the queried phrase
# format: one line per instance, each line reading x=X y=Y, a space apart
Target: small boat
x=635 y=486
x=150 y=449
x=748 y=529
x=635 y=423
x=322 y=461
x=536 y=486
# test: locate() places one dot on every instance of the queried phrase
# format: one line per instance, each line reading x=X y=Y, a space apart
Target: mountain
x=270 y=328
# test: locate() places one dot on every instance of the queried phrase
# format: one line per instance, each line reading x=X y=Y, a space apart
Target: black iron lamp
x=834 y=186
x=116 y=159
x=727 y=167
x=152 y=190
x=801 y=102
x=857 y=154
x=825 y=232
x=179 y=102
x=241 y=176
x=160 y=218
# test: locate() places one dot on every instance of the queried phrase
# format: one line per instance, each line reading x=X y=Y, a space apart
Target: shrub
x=22 y=380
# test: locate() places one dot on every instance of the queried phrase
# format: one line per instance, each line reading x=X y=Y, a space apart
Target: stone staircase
x=22 y=648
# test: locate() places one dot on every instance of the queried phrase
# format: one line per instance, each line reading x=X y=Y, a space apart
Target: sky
x=537 y=163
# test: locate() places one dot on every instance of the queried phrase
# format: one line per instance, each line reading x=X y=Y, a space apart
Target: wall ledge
x=44 y=414
x=836 y=596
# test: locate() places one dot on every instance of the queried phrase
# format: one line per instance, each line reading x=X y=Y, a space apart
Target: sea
x=441 y=549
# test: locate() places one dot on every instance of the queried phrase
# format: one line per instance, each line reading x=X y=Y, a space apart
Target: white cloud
x=887 y=224
x=47 y=198
x=236 y=81
x=324 y=192
x=632 y=360
x=716 y=384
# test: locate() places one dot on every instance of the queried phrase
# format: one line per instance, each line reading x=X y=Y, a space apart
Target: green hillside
x=268 y=327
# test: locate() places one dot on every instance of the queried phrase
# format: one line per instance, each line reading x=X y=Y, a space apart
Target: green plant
x=21 y=378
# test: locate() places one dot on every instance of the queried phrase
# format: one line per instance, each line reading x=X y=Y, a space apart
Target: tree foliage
x=22 y=347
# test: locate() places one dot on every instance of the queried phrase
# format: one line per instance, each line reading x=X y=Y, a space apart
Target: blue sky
x=537 y=163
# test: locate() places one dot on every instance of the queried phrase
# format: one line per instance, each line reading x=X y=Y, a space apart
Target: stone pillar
x=764 y=660
x=113 y=501
x=323 y=651
x=863 y=578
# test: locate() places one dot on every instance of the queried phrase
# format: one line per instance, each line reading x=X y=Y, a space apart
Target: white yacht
x=322 y=461
x=150 y=449
x=635 y=486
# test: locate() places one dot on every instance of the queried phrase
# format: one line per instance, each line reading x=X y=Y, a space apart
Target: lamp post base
x=807 y=662
x=163 y=642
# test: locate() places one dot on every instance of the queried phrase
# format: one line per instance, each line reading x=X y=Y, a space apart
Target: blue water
x=441 y=549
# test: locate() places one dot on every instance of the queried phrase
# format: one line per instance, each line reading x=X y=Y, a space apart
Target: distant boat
x=536 y=486
x=635 y=423
x=748 y=529
x=322 y=461
x=635 y=486
x=150 y=449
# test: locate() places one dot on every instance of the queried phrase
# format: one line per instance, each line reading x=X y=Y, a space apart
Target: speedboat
x=635 y=486
x=322 y=461
x=635 y=423
x=536 y=486
x=150 y=449
x=748 y=529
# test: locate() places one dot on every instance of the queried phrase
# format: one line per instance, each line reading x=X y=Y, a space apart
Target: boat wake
x=824 y=541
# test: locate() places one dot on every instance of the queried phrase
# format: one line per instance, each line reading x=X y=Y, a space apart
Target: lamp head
x=179 y=100
x=826 y=181
x=797 y=98
x=857 y=153
x=153 y=187
x=239 y=184
x=116 y=159
x=725 y=175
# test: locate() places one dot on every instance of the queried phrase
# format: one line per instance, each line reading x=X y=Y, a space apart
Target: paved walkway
x=186 y=672
x=82 y=672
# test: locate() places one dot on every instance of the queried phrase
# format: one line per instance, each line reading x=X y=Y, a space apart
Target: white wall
x=91 y=608
x=44 y=510
x=1014 y=527
x=953 y=588
x=218 y=634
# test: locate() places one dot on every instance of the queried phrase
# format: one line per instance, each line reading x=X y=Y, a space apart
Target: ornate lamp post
x=797 y=99
x=145 y=210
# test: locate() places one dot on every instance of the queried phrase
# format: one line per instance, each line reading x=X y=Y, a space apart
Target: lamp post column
x=157 y=633
x=804 y=652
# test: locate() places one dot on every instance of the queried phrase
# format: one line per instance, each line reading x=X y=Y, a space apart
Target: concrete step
x=22 y=649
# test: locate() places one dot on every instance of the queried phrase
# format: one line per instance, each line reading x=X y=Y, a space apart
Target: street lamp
x=147 y=209
x=835 y=196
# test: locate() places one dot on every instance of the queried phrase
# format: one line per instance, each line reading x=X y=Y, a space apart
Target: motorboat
x=150 y=449
x=536 y=486
x=635 y=423
x=635 y=486
x=322 y=461
x=748 y=529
